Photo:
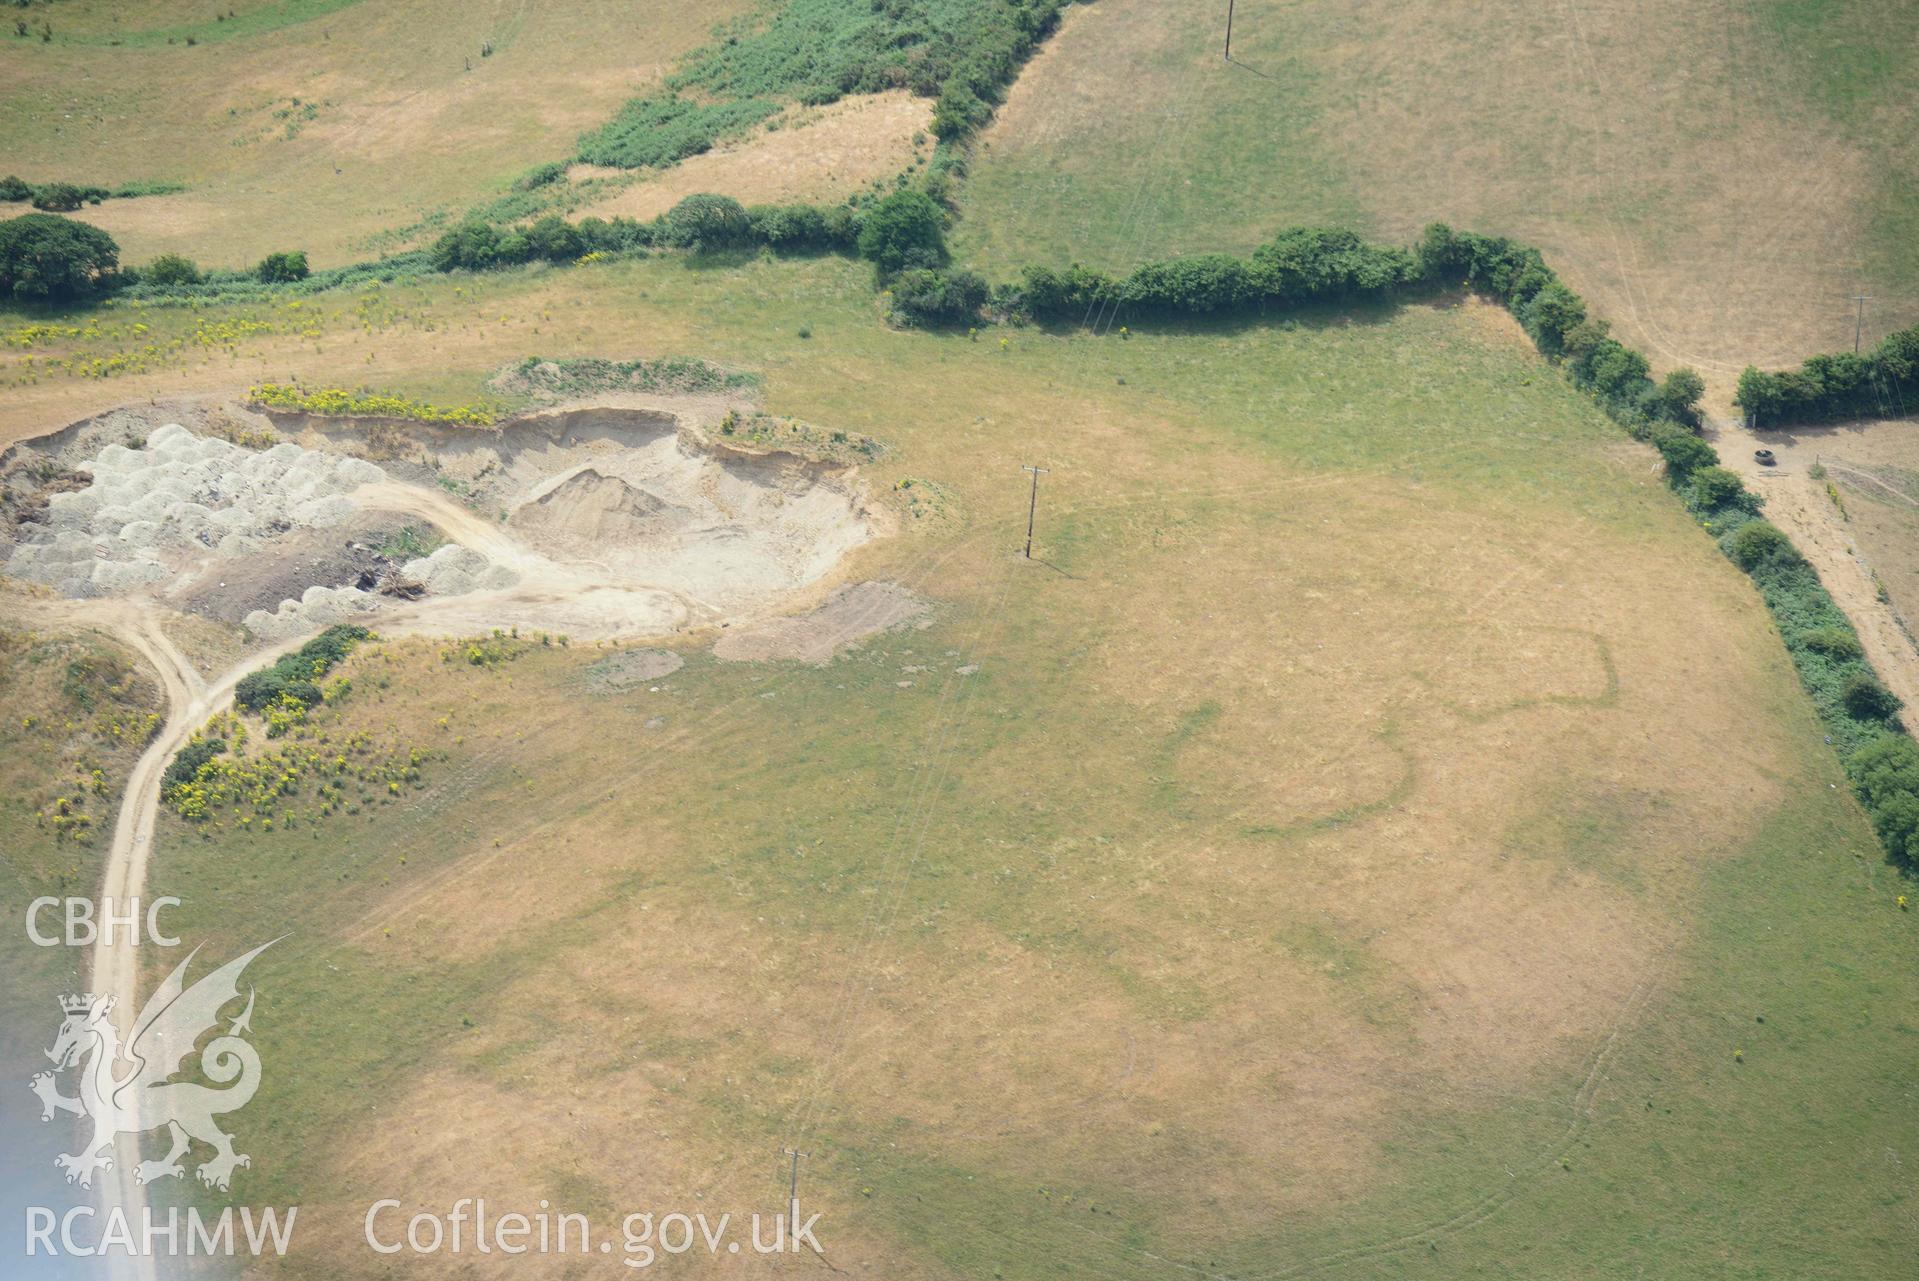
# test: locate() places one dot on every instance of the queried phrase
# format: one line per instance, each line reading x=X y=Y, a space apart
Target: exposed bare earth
x=849 y=615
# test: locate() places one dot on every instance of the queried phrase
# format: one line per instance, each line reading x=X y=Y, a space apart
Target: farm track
x=1795 y=502
x=191 y=699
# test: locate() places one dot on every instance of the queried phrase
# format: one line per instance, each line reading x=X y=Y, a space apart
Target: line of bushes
x=65 y=197
x=1880 y=758
x=586 y=375
x=47 y=258
x=1882 y=383
x=900 y=231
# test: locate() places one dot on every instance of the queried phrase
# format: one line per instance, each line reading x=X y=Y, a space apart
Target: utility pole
x=1032 y=506
x=793 y=1193
x=1229 y=30
x=1859 y=325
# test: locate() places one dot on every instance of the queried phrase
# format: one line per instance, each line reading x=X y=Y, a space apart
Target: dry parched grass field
x=1364 y=843
x=1378 y=835
x=1716 y=178
x=320 y=125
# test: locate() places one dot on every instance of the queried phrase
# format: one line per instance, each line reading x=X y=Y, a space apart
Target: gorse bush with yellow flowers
x=216 y=780
x=337 y=402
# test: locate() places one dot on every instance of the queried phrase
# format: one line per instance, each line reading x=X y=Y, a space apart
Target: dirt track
x=590 y=598
x=1798 y=504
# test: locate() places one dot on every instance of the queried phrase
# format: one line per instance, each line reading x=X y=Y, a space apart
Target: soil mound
x=599 y=508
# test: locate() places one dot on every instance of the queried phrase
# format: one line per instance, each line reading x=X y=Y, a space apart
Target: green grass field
x=1371 y=835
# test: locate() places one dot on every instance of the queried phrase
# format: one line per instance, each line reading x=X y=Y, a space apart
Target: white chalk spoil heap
x=452 y=570
x=151 y=513
x=157 y=516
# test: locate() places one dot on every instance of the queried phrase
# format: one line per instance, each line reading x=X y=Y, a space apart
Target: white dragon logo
x=143 y=1098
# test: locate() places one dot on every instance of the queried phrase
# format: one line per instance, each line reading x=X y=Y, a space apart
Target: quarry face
x=595 y=522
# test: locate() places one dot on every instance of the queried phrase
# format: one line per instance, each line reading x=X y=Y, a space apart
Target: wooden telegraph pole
x=1859 y=323
x=1032 y=506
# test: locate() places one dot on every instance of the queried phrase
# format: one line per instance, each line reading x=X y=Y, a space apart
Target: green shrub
x=554 y=239
x=297 y=675
x=540 y=176
x=14 y=189
x=281 y=268
x=190 y=758
x=44 y=257
x=1714 y=488
x=706 y=222
x=1758 y=543
x=1866 y=698
x=789 y=227
x=1684 y=453
x=906 y=229
x=1680 y=394
x=926 y=296
x=171 y=269
x=1206 y=282
x=1885 y=777
x=1837 y=643
x=58 y=197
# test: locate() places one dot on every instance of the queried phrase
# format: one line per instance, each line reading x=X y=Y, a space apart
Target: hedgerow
x=1300 y=266
x=1855 y=707
x=1882 y=383
x=218 y=285
x=65 y=197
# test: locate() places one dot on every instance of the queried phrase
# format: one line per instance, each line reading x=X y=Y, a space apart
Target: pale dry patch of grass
x=817 y=155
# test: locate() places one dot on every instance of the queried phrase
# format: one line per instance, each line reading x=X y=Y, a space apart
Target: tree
x=1757 y=543
x=1679 y=395
x=1554 y=312
x=1885 y=775
x=705 y=223
x=171 y=269
x=904 y=230
x=43 y=256
x=554 y=239
x=1716 y=487
x=61 y=197
x=471 y=246
x=1684 y=453
x=1868 y=700
x=1759 y=394
x=283 y=268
